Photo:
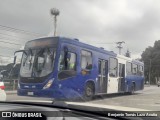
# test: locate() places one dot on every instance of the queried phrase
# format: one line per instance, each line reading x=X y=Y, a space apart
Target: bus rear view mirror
x=15 y=57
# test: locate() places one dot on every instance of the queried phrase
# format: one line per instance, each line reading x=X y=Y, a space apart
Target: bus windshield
x=37 y=62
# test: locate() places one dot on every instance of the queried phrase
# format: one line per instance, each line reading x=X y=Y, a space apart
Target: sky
x=101 y=23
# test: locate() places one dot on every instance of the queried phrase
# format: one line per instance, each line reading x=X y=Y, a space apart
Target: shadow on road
x=112 y=96
x=101 y=97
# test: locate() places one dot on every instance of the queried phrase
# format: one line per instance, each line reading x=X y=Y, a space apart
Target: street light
x=55 y=12
x=119 y=46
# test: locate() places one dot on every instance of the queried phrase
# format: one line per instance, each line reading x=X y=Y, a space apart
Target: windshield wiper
x=24 y=51
x=51 y=56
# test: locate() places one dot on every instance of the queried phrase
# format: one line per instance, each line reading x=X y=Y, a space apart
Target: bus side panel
x=139 y=83
x=75 y=86
x=137 y=80
x=92 y=76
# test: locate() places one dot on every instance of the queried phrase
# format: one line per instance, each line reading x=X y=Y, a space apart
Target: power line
x=6 y=56
x=19 y=30
x=104 y=43
x=10 y=39
x=5 y=38
x=17 y=36
x=12 y=36
x=8 y=48
x=10 y=42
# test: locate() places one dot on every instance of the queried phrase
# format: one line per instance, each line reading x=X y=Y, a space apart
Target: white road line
x=121 y=108
x=147 y=99
x=157 y=105
x=44 y=101
x=108 y=106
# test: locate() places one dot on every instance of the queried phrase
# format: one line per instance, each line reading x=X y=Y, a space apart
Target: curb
x=11 y=92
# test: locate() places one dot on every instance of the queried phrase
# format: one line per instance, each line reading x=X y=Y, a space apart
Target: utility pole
x=55 y=12
x=119 y=46
x=128 y=54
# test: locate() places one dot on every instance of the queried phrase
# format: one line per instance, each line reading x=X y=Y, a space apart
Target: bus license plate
x=30 y=93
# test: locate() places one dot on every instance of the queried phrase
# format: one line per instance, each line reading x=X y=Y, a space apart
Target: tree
x=151 y=58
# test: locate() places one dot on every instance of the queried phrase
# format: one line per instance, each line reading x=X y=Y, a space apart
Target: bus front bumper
x=49 y=93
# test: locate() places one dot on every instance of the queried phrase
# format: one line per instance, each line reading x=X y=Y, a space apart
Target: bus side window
x=86 y=62
x=67 y=65
x=129 y=68
x=113 y=67
x=140 y=70
x=134 y=69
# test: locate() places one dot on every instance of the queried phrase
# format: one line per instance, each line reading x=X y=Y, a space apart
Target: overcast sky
x=137 y=22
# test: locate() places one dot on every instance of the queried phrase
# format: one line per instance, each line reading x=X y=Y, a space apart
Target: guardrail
x=10 y=84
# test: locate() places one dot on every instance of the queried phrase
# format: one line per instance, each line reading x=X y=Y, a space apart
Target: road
x=148 y=99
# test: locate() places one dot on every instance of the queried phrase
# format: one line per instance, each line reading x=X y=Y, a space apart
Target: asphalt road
x=148 y=99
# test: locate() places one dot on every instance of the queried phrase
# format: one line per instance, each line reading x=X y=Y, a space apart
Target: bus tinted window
x=129 y=68
x=44 y=61
x=113 y=67
x=99 y=66
x=140 y=71
x=86 y=60
x=72 y=61
x=134 y=69
x=67 y=65
x=38 y=61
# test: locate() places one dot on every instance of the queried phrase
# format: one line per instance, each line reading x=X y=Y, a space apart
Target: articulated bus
x=58 y=67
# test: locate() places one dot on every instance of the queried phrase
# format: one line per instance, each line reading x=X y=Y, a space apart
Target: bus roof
x=87 y=46
x=130 y=59
x=67 y=40
x=73 y=41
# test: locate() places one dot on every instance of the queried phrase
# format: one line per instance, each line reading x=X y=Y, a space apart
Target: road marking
x=108 y=106
x=44 y=101
x=113 y=107
x=157 y=105
x=147 y=99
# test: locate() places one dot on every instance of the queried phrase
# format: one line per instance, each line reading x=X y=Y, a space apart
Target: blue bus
x=64 y=68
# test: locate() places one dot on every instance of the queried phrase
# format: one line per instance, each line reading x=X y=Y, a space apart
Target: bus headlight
x=48 y=84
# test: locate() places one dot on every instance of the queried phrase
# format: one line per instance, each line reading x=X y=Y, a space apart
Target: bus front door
x=102 y=77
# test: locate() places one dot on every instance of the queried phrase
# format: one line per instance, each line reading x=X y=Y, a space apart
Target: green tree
x=151 y=59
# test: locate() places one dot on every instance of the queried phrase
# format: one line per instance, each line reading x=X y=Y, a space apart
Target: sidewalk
x=11 y=92
x=145 y=85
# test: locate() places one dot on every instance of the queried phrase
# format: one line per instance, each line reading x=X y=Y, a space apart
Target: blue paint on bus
x=33 y=83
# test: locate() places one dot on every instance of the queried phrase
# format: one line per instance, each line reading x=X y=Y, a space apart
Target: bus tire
x=89 y=91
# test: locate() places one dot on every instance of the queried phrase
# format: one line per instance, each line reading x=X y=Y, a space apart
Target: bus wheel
x=89 y=91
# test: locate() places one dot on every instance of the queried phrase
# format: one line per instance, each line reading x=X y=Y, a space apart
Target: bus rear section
x=134 y=76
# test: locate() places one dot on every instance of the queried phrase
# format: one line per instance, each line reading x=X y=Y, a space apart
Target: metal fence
x=10 y=84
